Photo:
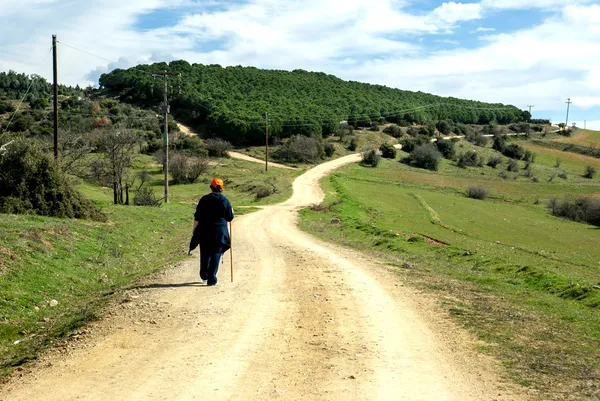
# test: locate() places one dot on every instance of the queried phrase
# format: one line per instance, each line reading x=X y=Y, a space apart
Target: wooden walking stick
x=231 y=250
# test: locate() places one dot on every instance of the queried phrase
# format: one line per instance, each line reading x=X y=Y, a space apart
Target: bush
x=503 y=175
x=558 y=163
x=374 y=128
x=328 y=148
x=425 y=156
x=370 y=158
x=6 y=107
x=32 y=182
x=393 y=130
x=186 y=170
x=477 y=192
x=514 y=151
x=477 y=139
x=300 y=149
x=353 y=144
x=145 y=196
x=513 y=166
x=563 y=176
x=218 y=147
x=494 y=161
x=583 y=210
x=446 y=148
x=529 y=156
x=191 y=146
x=589 y=172
x=408 y=145
x=470 y=159
x=388 y=151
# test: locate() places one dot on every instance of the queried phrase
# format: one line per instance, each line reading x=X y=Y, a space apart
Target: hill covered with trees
x=231 y=102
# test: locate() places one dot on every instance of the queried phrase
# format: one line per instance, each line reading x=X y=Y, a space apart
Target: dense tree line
x=14 y=86
x=231 y=102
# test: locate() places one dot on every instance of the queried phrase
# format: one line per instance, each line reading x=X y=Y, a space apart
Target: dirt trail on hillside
x=303 y=320
x=236 y=155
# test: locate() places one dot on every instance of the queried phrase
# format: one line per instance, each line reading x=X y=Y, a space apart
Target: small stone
x=335 y=220
x=53 y=303
x=17 y=342
x=37 y=308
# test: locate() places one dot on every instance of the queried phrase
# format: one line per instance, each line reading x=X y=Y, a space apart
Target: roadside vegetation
x=511 y=253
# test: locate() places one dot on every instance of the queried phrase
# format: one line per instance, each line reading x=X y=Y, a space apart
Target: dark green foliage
x=514 y=151
x=477 y=139
x=494 y=160
x=503 y=175
x=408 y=145
x=218 y=147
x=499 y=143
x=446 y=148
x=563 y=176
x=191 y=146
x=469 y=159
x=6 y=107
x=231 y=101
x=513 y=166
x=425 y=156
x=186 y=170
x=529 y=156
x=393 y=130
x=300 y=149
x=353 y=144
x=388 y=151
x=370 y=158
x=583 y=210
x=477 y=192
x=32 y=182
x=445 y=127
x=328 y=148
x=589 y=172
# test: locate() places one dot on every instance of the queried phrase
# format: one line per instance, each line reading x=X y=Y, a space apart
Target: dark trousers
x=210 y=257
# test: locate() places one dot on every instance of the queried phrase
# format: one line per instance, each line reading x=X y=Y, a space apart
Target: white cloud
x=454 y=12
x=529 y=4
x=482 y=29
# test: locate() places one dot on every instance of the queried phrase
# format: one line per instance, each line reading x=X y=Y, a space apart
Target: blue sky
x=520 y=52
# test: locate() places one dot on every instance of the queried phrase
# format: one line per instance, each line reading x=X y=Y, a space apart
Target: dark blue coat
x=212 y=214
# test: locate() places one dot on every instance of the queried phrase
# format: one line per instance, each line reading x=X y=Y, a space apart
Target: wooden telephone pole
x=568 y=104
x=267 y=142
x=55 y=75
x=166 y=109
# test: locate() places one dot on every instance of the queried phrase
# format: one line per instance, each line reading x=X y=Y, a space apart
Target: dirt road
x=303 y=320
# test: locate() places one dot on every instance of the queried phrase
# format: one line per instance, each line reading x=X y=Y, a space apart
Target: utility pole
x=530 y=107
x=166 y=110
x=55 y=74
x=568 y=105
x=584 y=124
x=267 y=142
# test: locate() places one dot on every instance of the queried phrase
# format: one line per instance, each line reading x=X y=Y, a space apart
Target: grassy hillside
x=525 y=282
x=231 y=102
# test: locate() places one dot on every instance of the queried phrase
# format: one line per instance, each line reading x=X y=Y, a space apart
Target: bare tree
x=74 y=146
x=118 y=147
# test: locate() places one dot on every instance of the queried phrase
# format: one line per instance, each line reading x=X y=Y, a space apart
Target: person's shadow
x=167 y=285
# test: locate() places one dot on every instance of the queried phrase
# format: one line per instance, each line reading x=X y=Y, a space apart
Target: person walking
x=210 y=230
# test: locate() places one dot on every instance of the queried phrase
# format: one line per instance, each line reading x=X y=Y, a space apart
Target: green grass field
x=81 y=263
x=582 y=137
x=525 y=282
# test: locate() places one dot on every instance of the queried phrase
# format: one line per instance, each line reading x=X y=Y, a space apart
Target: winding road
x=304 y=320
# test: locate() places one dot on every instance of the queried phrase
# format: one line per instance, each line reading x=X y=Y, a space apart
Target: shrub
x=514 y=151
x=6 y=107
x=529 y=156
x=446 y=148
x=388 y=151
x=145 y=196
x=393 y=130
x=408 y=145
x=32 y=182
x=477 y=139
x=353 y=144
x=513 y=166
x=469 y=159
x=563 y=176
x=583 y=210
x=503 y=175
x=191 y=146
x=218 y=147
x=445 y=127
x=558 y=163
x=477 y=192
x=413 y=131
x=186 y=170
x=300 y=149
x=494 y=161
x=370 y=158
x=374 y=128
x=589 y=172
x=499 y=143
x=328 y=148
x=425 y=156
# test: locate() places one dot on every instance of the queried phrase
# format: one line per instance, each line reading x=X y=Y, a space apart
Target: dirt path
x=236 y=155
x=303 y=320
